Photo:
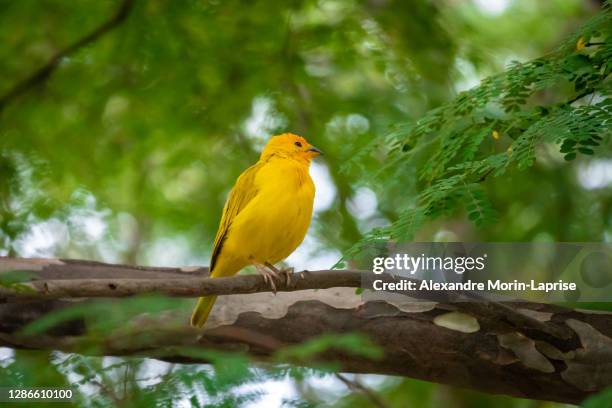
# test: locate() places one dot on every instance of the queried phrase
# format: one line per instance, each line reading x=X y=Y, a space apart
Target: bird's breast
x=277 y=220
x=289 y=197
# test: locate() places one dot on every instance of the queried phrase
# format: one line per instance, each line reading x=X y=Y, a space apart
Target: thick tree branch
x=92 y=279
x=43 y=73
x=523 y=349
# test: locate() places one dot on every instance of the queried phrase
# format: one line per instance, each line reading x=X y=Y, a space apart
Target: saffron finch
x=266 y=216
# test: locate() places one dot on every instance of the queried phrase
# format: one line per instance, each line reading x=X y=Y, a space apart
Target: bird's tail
x=202 y=310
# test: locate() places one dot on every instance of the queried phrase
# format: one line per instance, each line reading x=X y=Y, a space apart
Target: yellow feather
x=267 y=214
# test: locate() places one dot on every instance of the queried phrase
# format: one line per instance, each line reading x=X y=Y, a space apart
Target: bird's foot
x=287 y=272
x=269 y=275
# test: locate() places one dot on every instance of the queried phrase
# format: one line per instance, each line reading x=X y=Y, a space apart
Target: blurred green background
x=126 y=153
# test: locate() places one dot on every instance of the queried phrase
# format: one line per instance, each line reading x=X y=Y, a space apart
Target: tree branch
x=43 y=73
x=523 y=349
x=93 y=279
x=187 y=286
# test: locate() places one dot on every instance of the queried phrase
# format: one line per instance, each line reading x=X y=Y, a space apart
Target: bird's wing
x=243 y=192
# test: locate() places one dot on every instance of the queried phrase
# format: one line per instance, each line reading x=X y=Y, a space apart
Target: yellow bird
x=266 y=215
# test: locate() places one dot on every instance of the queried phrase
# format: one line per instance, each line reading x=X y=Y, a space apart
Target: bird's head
x=292 y=146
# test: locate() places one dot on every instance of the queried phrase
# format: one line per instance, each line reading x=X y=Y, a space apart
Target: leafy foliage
x=355 y=344
x=460 y=145
x=600 y=400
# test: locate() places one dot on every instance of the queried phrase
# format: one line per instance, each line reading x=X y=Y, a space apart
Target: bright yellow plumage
x=266 y=215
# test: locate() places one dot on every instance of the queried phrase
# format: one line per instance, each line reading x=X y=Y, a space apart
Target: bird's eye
x=298 y=144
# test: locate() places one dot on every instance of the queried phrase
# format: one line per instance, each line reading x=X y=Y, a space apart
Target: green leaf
x=600 y=400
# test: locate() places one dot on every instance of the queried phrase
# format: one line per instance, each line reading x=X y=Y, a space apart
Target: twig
x=358 y=386
x=108 y=392
x=580 y=96
x=42 y=74
x=179 y=287
x=586 y=92
x=484 y=176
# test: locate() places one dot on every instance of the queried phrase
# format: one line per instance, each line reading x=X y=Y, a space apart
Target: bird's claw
x=287 y=272
x=269 y=276
x=270 y=273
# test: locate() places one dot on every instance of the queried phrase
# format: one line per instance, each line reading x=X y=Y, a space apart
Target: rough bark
x=522 y=349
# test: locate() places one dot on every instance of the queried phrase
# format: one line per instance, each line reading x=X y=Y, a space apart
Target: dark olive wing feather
x=243 y=192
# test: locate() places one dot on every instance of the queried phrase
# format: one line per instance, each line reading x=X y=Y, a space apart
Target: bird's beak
x=315 y=150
